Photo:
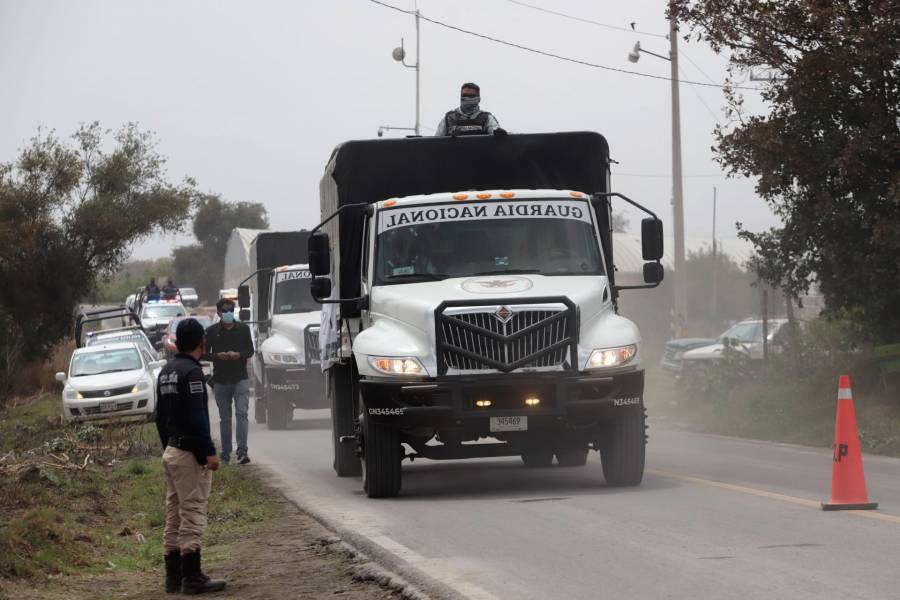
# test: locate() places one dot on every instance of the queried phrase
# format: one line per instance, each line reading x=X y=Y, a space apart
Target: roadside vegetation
x=792 y=396
x=90 y=498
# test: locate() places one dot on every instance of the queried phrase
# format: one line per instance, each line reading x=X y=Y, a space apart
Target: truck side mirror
x=652 y=239
x=320 y=287
x=319 y=247
x=244 y=315
x=653 y=272
x=244 y=297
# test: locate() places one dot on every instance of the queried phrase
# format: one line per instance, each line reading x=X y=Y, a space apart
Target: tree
x=69 y=213
x=827 y=153
x=202 y=265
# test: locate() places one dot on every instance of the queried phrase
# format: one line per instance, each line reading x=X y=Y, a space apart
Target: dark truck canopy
x=369 y=171
x=275 y=249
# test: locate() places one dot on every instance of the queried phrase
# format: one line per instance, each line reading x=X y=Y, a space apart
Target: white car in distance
x=110 y=380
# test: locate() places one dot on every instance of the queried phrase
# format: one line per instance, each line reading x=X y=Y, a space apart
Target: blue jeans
x=240 y=393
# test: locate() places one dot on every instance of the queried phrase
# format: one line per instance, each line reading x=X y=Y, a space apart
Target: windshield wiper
x=509 y=271
x=426 y=276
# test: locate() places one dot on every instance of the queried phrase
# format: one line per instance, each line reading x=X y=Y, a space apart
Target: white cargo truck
x=284 y=320
x=469 y=296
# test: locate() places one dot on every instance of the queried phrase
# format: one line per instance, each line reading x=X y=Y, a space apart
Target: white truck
x=470 y=305
x=284 y=320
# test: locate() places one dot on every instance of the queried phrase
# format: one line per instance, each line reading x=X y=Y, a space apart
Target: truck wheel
x=572 y=455
x=259 y=404
x=278 y=414
x=622 y=453
x=339 y=391
x=382 y=455
x=538 y=456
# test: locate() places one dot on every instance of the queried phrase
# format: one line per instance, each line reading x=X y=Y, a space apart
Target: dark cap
x=188 y=335
x=474 y=86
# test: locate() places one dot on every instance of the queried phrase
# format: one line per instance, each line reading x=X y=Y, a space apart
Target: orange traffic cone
x=848 y=480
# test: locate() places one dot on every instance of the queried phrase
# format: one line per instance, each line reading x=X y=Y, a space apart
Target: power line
x=584 y=20
x=552 y=55
x=702 y=101
x=696 y=66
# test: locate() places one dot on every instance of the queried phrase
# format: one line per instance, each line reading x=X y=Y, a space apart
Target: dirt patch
x=287 y=556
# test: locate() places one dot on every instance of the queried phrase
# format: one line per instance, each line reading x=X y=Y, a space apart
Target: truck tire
x=382 y=456
x=278 y=414
x=340 y=393
x=259 y=402
x=538 y=455
x=572 y=455
x=623 y=448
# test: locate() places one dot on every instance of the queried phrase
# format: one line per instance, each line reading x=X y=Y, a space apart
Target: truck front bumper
x=302 y=387
x=565 y=400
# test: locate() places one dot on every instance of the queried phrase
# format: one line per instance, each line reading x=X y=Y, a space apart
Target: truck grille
x=506 y=337
x=311 y=344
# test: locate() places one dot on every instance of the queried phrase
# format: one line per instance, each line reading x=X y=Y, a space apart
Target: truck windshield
x=293 y=296
x=428 y=243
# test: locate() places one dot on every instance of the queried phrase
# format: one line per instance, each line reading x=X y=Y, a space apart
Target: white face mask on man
x=469 y=104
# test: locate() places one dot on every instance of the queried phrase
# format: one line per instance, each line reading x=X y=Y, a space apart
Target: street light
x=680 y=278
x=399 y=54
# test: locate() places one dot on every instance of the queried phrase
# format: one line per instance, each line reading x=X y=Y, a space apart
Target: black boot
x=193 y=579
x=173 y=572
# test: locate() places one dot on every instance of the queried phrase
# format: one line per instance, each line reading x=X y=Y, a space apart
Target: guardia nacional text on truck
x=469 y=294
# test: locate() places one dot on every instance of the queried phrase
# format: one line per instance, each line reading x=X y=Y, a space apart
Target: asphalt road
x=715 y=518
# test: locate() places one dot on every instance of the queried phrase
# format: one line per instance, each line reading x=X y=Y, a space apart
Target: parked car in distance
x=125 y=334
x=675 y=348
x=169 y=347
x=189 y=297
x=109 y=380
x=155 y=316
x=745 y=337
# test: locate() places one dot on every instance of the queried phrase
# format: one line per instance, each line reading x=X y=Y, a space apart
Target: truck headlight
x=72 y=394
x=396 y=366
x=141 y=385
x=282 y=358
x=611 y=357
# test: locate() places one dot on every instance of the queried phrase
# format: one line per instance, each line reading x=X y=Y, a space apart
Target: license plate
x=509 y=424
x=108 y=406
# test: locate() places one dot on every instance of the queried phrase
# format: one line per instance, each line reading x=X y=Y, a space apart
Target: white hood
x=105 y=381
x=287 y=331
x=403 y=315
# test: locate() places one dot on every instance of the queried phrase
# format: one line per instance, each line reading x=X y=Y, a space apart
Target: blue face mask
x=228 y=317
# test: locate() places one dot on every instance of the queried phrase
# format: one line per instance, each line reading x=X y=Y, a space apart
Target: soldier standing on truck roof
x=469 y=119
x=182 y=419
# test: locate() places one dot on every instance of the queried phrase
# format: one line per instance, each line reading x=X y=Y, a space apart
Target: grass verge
x=90 y=498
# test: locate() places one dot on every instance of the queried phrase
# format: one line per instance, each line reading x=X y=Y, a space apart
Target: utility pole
x=715 y=268
x=399 y=54
x=680 y=282
x=418 y=47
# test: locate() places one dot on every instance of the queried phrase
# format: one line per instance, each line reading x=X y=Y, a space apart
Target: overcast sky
x=250 y=98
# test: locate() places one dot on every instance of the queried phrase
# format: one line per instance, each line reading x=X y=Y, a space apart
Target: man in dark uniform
x=182 y=419
x=469 y=119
